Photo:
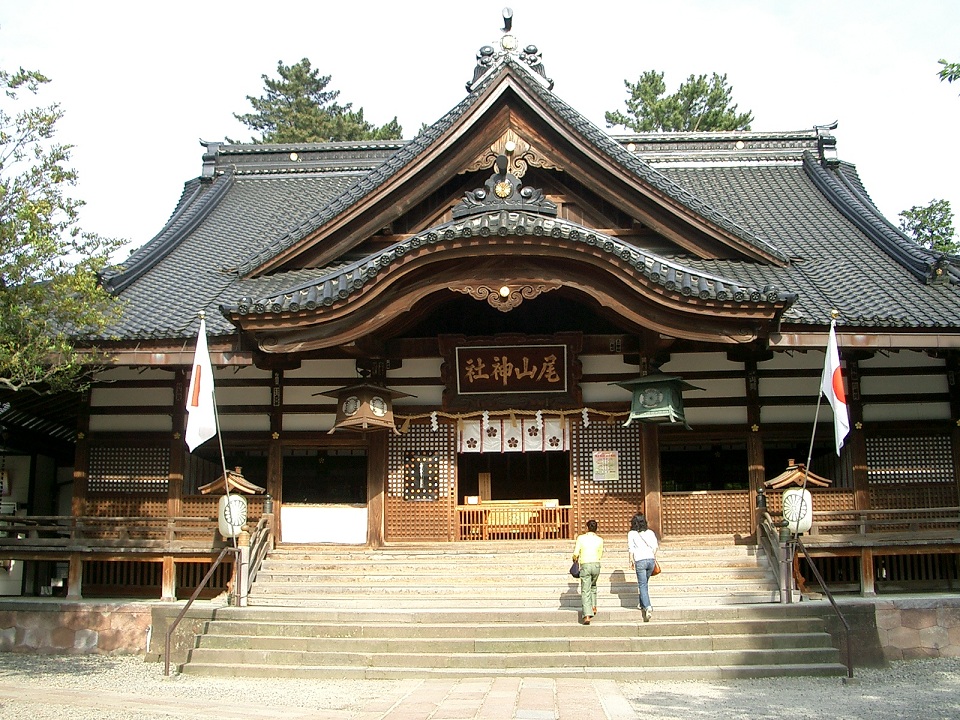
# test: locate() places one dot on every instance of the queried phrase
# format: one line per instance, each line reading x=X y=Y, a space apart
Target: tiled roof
x=339 y=283
x=770 y=190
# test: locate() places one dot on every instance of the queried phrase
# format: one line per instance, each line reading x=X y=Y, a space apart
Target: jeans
x=644 y=568
x=589 y=574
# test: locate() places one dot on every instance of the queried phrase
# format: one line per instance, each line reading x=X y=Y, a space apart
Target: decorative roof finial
x=488 y=55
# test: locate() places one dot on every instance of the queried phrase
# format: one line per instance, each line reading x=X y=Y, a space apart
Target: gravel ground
x=91 y=687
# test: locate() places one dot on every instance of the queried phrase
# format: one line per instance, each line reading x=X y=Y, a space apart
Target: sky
x=142 y=83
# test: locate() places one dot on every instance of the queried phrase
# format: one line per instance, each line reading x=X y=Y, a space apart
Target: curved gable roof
x=691 y=300
x=414 y=158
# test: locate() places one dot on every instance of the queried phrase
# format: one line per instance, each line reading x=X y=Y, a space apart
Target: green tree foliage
x=931 y=226
x=49 y=290
x=949 y=71
x=700 y=104
x=297 y=107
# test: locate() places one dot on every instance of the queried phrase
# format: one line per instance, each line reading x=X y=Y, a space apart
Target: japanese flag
x=201 y=415
x=831 y=385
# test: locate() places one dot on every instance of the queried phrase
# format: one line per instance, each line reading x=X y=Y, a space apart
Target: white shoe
x=647 y=614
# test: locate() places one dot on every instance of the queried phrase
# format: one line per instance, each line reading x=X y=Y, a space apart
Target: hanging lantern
x=798 y=510
x=365 y=407
x=657 y=398
x=231 y=515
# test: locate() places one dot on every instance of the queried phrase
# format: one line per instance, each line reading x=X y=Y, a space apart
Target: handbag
x=575 y=569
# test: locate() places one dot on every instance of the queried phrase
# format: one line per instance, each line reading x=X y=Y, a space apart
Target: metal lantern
x=365 y=407
x=657 y=398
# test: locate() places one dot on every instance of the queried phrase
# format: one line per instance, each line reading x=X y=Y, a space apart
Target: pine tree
x=298 y=107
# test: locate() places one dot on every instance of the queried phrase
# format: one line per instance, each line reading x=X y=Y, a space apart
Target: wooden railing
x=930 y=522
x=513 y=520
x=130 y=542
x=46 y=534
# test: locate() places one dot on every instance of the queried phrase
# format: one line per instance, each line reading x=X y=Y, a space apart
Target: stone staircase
x=475 y=609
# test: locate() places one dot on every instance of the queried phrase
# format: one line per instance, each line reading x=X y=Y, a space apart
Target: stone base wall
x=919 y=628
x=883 y=630
x=74 y=627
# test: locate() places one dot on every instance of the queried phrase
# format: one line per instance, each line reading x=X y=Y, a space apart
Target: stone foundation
x=65 y=627
x=902 y=628
x=910 y=628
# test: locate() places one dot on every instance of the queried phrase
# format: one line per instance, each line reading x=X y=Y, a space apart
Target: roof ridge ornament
x=503 y=191
x=490 y=55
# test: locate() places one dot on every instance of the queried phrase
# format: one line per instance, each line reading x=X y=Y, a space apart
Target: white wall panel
x=795 y=360
x=808 y=387
x=793 y=413
x=416 y=367
x=423 y=395
x=715 y=416
x=307 y=394
x=690 y=362
x=240 y=423
x=906 y=384
x=131 y=397
x=243 y=396
x=128 y=373
x=308 y=423
x=131 y=423
x=324 y=368
x=593 y=364
x=604 y=392
x=902 y=359
x=733 y=388
x=906 y=411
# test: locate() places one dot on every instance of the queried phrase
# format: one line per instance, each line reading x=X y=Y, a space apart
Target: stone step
x=588 y=658
x=515 y=644
x=498 y=605
x=760 y=616
x=511 y=609
x=560 y=626
x=679 y=673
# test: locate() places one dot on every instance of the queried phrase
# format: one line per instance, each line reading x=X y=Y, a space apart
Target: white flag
x=201 y=415
x=831 y=385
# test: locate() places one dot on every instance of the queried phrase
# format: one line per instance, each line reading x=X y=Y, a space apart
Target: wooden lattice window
x=612 y=502
x=407 y=516
x=129 y=470
x=908 y=472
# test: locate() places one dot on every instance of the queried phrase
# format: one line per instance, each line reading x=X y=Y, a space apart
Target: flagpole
x=834 y=314
x=223 y=458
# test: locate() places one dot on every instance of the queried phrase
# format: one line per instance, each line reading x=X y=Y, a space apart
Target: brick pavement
x=456 y=699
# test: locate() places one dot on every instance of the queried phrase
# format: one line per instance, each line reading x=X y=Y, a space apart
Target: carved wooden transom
x=505 y=301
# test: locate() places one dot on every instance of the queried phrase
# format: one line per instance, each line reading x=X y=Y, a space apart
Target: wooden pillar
x=652 y=493
x=81 y=458
x=75 y=577
x=756 y=467
x=856 y=443
x=168 y=581
x=177 y=455
x=376 y=487
x=867 y=586
x=275 y=449
x=953 y=385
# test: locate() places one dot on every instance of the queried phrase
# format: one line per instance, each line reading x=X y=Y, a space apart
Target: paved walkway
x=473 y=699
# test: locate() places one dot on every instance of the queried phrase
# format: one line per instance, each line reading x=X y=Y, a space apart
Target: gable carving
x=520 y=155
